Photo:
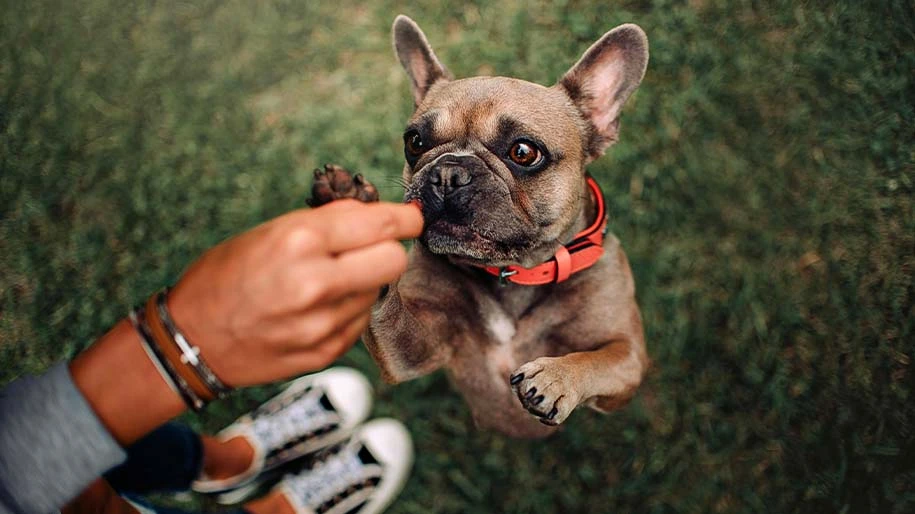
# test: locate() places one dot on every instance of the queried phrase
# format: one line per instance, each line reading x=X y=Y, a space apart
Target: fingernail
x=538 y=400
x=552 y=413
x=516 y=379
x=530 y=394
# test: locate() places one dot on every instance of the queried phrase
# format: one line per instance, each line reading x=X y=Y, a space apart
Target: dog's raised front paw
x=546 y=388
x=335 y=183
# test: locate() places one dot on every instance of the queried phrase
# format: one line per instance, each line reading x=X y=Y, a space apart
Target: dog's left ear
x=602 y=80
x=416 y=55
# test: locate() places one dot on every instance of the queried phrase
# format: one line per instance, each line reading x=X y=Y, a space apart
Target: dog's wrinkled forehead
x=492 y=107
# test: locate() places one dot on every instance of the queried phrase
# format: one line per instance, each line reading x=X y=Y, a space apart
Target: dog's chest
x=500 y=355
x=503 y=335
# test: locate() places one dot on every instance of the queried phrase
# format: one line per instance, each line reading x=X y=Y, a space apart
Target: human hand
x=294 y=293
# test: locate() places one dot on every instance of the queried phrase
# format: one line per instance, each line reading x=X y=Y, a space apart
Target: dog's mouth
x=464 y=244
x=443 y=227
x=448 y=238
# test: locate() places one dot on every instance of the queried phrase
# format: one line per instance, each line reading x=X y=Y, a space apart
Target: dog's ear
x=417 y=57
x=602 y=80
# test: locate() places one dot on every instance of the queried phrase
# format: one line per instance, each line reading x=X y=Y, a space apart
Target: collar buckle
x=504 y=273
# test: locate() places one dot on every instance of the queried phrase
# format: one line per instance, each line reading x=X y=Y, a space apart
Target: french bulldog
x=513 y=288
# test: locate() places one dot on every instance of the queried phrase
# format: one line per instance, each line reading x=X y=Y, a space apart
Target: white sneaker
x=313 y=412
x=362 y=477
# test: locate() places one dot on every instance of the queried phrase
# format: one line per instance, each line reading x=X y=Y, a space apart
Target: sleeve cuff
x=51 y=442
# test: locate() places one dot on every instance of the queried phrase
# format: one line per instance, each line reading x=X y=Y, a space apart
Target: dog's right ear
x=417 y=57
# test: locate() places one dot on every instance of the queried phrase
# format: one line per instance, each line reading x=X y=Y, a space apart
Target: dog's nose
x=449 y=174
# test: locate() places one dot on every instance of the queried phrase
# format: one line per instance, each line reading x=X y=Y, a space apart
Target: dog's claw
x=543 y=390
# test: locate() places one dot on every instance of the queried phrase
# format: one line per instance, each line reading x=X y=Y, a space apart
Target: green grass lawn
x=763 y=187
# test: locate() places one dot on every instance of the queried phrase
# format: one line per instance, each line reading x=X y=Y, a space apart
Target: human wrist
x=188 y=311
x=179 y=360
x=122 y=385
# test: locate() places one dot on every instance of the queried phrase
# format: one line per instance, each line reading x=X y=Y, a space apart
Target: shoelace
x=329 y=478
x=301 y=417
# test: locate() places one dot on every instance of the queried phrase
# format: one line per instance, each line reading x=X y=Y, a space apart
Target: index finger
x=347 y=226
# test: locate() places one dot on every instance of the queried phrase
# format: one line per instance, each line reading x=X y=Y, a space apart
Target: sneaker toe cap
x=390 y=443
x=349 y=392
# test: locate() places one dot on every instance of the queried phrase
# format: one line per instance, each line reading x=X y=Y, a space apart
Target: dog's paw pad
x=335 y=183
x=545 y=389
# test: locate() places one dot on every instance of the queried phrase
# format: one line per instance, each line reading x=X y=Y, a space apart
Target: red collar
x=582 y=252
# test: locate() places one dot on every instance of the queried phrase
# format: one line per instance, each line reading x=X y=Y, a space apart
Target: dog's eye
x=413 y=143
x=525 y=154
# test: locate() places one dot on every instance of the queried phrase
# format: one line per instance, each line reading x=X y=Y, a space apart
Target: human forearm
x=122 y=385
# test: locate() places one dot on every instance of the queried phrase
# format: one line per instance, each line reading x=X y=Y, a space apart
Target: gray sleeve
x=52 y=445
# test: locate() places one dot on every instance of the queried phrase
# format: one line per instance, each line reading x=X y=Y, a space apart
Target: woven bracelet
x=163 y=366
x=190 y=354
x=171 y=352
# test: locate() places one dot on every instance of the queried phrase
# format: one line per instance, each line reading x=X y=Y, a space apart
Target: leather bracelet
x=163 y=366
x=172 y=352
x=190 y=354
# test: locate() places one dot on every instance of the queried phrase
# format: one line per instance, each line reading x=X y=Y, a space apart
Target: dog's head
x=498 y=163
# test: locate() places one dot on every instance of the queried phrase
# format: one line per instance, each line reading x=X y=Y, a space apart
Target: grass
x=763 y=187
